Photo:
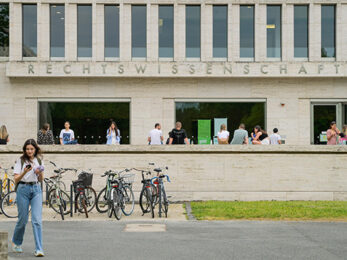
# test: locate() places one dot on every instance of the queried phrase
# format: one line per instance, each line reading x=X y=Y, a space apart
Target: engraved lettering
x=283 y=68
x=228 y=69
x=121 y=69
x=174 y=69
x=262 y=67
x=246 y=69
x=86 y=68
x=49 y=69
x=302 y=70
x=31 y=69
x=67 y=69
x=320 y=68
x=191 y=69
x=104 y=68
x=337 y=68
x=140 y=69
x=209 y=68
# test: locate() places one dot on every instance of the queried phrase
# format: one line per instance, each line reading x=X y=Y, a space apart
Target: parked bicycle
x=148 y=195
x=7 y=183
x=158 y=181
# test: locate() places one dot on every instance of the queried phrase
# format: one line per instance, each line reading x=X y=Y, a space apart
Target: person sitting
x=261 y=137
x=67 y=136
x=4 y=137
x=45 y=135
x=240 y=135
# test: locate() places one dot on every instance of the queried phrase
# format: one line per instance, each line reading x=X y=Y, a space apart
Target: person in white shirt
x=67 y=136
x=155 y=136
x=275 y=138
x=223 y=135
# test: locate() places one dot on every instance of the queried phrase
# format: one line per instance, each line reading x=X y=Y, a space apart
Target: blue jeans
x=29 y=194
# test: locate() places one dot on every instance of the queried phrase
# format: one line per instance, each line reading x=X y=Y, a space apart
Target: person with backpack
x=178 y=135
x=28 y=174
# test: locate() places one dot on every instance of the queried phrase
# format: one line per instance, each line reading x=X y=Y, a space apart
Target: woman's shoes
x=16 y=249
x=39 y=254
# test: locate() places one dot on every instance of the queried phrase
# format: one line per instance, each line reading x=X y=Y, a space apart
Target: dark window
x=111 y=31
x=328 y=31
x=29 y=22
x=57 y=30
x=300 y=31
x=166 y=31
x=4 y=30
x=84 y=31
x=138 y=31
x=193 y=31
x=273 y=31
x=247 y=31
x=89 y=121
x=220 y=31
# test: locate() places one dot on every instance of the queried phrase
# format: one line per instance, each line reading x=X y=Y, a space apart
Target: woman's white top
x=223 y=135
x=29 y=176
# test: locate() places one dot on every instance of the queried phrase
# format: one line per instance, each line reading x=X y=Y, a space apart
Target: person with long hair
x=28 y=173
x=4 y=137
x=45 y=135
x=223 y=135
x=332 y=134
x=260 y=136
x=113 y=134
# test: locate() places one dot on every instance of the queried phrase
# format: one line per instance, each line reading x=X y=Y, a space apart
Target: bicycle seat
x=158 y=170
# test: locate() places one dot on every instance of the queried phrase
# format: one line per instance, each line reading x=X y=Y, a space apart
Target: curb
x=189 y=211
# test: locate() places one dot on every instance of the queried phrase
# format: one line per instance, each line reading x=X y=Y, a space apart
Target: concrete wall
x=215 y=172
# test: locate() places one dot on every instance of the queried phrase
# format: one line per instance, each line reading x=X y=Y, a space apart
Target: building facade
x=274 y=63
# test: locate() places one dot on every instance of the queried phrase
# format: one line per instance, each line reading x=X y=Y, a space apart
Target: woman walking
x=260 y=136
x=4 y=139
x=28 y=173
x=45 y=135
x=113 y=134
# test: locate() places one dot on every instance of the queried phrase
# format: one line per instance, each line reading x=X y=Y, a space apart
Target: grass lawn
x=271 y=210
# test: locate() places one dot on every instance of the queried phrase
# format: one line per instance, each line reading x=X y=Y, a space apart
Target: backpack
x=22 y=163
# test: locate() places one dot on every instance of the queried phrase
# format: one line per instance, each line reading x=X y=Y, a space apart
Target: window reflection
x=166 y=33
x=301 y=31
x=220 y=31
x=111 y=31
x=247 y=31
x=4 y=30
x=193 y=31
x=29 y=22
x=57 y=30
x=84 y=31
x=328 y=31
x=138 y=31
x=273 y=28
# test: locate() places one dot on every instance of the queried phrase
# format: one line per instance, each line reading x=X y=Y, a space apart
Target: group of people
x=335 y=136
x=258 y=136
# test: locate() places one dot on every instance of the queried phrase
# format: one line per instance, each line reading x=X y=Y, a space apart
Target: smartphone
x=28 y=166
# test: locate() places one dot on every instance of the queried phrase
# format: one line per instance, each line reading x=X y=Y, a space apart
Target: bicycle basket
x=86 y=178
x=129 y=178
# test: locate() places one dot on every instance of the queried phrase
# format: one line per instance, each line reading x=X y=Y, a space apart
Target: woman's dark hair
x=115 y=127
x=32 y=142
x=260 y=129
x=332 y=123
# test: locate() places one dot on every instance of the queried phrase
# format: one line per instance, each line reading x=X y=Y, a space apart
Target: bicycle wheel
x=145 y=201
x=9 y=205
x=165 y=202
x=128 y=200
x=55 y=200
x=5 y=188
x=101 y=201
x=90 y=199
x=116 y=205
x=61 y=185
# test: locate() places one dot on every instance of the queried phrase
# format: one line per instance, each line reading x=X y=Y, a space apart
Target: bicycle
x=161 y=194
x=9 y=205
x=7 y=183
x=85 y=198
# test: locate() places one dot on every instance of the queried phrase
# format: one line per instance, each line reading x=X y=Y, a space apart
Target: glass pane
x=189 y=113
x=328 y=31
x=84 y=31
x=57 y=31
x=273 y=31
x=111 y=31
x=301 y=31
x=247 y=31
x=166 y=33
x=4 y=30
x=138 y=31
x=29 y=30
x=89 y=121
x=220 y=31
x=193 y=31
x=323 y=116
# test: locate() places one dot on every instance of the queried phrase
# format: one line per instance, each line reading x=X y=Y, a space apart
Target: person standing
x=178 y=135
x=240 y=135
x=113 y=134
x=223 y=135
x=67 y=136
x=4 y=137
x=261 y=137
x=45 y=135
x=28 y=173
x=275 y=138
x=332 y=134
x=155 y=136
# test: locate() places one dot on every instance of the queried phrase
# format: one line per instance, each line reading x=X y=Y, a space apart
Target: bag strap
x=22 y=162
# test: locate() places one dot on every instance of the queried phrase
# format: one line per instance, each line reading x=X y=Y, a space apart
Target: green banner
x=204 y=131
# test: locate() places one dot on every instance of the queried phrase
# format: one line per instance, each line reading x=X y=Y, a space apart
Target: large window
x=220 y=31
x=111 y=31
x=89 y=121
x=193 y=31
x=166 y=31
x=246 y=31
x=4 y=30
x=84 y=31
x=190 y=113
x=138 y=31
x=29 y=25
x=273 y=28
x=57 y=31
x=328 y=31
x=301 y=31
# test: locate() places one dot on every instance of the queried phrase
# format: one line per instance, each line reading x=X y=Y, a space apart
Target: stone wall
x=214 y=172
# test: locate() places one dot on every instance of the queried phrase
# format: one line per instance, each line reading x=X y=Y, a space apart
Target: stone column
x=341 y=32
x=234 y=30
x=206 y=32
x=125 y=32
x=15 y=32
x=98 y=32
x=152 y=32
x=179 y=32
x=43 y=32
x=3 y=245
x=287 y=32
x=71 y=32
x=315 y=32
x=260 y=32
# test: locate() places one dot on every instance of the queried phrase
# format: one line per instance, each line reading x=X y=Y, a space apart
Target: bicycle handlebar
x=113 y=173
x=157 y=177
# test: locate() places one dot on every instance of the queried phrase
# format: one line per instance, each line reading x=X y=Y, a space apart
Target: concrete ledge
x=224 y=149
x=3 y=245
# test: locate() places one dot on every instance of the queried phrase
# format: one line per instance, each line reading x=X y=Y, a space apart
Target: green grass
x=271 y=210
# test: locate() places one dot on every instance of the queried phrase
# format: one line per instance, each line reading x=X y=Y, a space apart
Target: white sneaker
x=39 y=254
x=16 y=249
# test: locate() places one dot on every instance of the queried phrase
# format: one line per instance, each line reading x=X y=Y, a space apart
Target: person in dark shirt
x=45 y=135
x=178 y=135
